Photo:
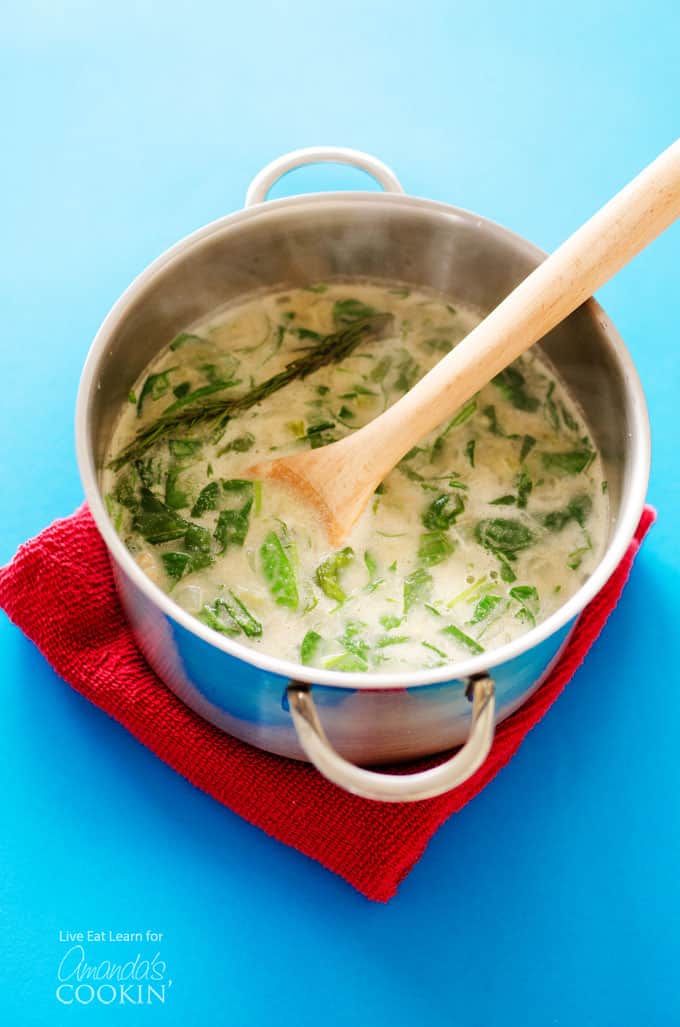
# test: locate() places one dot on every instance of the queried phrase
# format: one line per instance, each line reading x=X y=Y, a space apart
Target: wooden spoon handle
x=593 y=254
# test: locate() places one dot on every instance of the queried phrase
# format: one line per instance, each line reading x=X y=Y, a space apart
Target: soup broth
x=483 y=530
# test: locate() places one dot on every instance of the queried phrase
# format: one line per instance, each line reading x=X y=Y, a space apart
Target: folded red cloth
x=59 y=590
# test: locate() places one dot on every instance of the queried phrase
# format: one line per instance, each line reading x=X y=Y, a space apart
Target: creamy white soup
x=484 y=529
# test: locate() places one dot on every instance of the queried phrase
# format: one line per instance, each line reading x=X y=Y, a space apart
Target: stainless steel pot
x=278 y=705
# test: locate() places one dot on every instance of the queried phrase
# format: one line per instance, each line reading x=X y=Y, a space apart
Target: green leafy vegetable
x=155 y=386
x=241 y=444
x=309 y=647
x=207 y=499
x=417 y=588
x=156 y=522
x=346 y=312
x=550 y=408
x=328 y=573
x=529 y=603
x=443 y=511
x=512 y=384
x=464 y=639
x=348 y=662
x=234 y=522
x=572 y=462
x=278 y=570
x=389 y=621
x=577 y=509
x=434 y=548
x=470 y=452
x=184 y=449
x=504 y=535
x=484 y=607
x=241 y=615
x=175 y=497
x=528 y=443
x=183 y=338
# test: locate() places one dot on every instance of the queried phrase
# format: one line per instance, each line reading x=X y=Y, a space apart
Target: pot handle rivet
x=370 y=784
x=265 y=179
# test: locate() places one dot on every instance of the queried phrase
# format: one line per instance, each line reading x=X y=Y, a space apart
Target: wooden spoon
x=338 y=480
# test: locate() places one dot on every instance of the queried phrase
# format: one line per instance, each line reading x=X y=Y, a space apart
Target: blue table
x=555 y=897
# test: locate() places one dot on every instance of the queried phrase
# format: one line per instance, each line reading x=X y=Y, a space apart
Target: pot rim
x=639 y=441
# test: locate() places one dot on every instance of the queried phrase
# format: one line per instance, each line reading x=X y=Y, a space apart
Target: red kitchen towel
x=59 y=590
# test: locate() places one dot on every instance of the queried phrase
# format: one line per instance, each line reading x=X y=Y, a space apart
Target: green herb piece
x=317 y=287
x=381 y=369
x=216 y=412
x=605 y=486
x=409 y=372
x=524 y=486
x=464 y=414
x=437 y=345
x=348 y=662
x=389 y=621
x=528 y=443
x=132 y=398
x=470 y=452
x=183 y=338
x=156 y=522
x=484 y=607
x=210 y=615
x=328 y=574
x=371 y=565
x=387 y=640
x=569 y=421
x=176 y=413
x=575 y=558
x=529 y=603
x=346 y=414
x=443 y=512
x=574 y=461
x=207 y=499
x=464 y=639
x=241 y=615
x=125 y=491
x=550 y=408
x=257 y=496
x=241 y=444
x=176 y=564
x=502 y=534
x=309 y=647
x=297 y=428
x=507 y=500
x=512 y=384
x=417 y=588
x=576 y=510
x=175 y=497
x=155 y=386
x=184 y=449
x=150 y=471
x=234 y=522
x=434 y=547
x=439 y=652
x=278 y=570
x=346 y=312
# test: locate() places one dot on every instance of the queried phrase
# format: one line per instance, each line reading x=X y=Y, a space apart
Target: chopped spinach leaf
x=572 y=462
x=417 y=588
x=443 y=511
x=328 y=574
x=464 y=639
x=309 y=646
x=207 y=499
x=278 y=570
x=512 y=384
x=434 y=548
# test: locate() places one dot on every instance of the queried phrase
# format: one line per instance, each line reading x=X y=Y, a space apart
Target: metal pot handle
x=369 y=784
x=265 y=179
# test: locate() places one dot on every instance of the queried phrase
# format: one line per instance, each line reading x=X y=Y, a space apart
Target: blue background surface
x=555 y=897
